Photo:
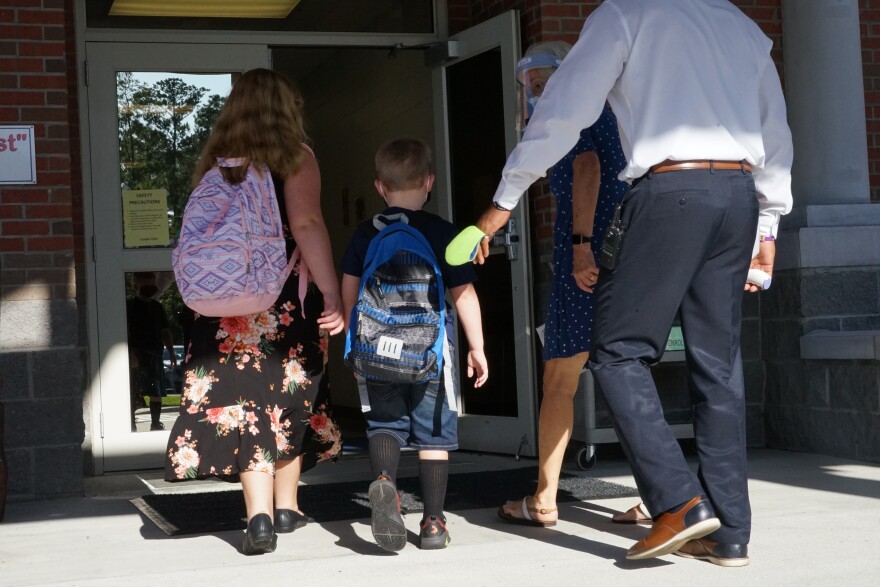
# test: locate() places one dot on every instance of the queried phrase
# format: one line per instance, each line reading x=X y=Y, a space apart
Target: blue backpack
x=398 y=325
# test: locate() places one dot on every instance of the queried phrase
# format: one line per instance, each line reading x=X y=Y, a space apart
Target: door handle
x=509 y=239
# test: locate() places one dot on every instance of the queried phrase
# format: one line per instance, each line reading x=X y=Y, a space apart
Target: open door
x=474 y=121
x=150 y=107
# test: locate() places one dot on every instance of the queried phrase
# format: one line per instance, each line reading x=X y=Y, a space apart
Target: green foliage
x=162 y=129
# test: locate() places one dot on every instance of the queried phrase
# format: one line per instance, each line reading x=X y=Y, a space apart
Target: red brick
x=22 y=3
x=58 y=131
x=50 y=49
x=550 y=26
x=7 y=15
x=60 y=195
x=572 y=25
x=53 y=33
x=17 y=31
x=57 y=99
x=41 y=16
x=50 y=243
x=8 y=82
x=41 y=82
x=10 y=211
x=46 y=211
x=58 y=163
x=62 y=227
x=23 y=228
x=48 y=178
x=56 y=65
x=23 y=195
x=11 y=244
x=22 y=98
x=48 y=114
x=9 y=65
x=54 y=147
x=560 y=10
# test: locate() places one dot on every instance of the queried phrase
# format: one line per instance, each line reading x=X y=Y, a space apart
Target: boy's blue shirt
x=437 y=231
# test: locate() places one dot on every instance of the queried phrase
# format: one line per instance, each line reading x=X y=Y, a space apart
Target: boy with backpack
x=398 y=341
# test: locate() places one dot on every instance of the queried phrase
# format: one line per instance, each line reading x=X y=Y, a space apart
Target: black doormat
x=218 y=511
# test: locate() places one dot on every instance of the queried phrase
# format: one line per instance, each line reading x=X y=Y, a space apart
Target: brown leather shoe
x=671 y=530
x=723 y=555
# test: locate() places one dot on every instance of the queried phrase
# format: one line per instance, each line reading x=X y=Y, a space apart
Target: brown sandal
x=527 y=512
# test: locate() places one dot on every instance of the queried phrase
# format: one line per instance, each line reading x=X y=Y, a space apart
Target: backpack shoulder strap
x=384 y=246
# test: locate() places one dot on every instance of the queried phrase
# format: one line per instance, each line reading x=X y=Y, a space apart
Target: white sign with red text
x=18 y=161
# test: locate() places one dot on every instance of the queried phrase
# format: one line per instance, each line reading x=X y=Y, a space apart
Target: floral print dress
x=253 y=392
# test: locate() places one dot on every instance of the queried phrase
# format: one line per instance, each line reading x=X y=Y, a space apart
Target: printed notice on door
x=145 y=218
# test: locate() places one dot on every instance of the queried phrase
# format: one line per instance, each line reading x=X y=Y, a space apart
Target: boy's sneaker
x=434 y=534
x=386 y=522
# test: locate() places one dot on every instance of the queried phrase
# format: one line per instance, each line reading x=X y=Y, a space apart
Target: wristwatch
x=580 y=239
x=500 y=207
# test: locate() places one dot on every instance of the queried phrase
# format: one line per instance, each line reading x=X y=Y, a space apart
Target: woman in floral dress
x=252 y=407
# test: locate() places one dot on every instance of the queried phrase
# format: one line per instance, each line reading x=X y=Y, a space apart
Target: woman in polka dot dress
x=587 y=190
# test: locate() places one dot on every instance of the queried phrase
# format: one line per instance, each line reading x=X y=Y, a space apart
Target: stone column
x=833 y=223
x=826 y=101
x=820 y=321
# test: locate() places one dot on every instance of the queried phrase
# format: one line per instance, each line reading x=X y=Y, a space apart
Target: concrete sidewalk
x=816 y=520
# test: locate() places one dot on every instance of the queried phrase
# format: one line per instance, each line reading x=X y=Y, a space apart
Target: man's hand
x=490 y=222
x=764 y=261
x=585 y=271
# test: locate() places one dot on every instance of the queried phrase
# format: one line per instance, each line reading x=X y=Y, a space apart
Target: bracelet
x=767 y=238
x=500 y=207
x=580 y=239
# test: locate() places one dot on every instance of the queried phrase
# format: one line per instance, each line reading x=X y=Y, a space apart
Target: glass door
x=150 y=109
x=474 y=97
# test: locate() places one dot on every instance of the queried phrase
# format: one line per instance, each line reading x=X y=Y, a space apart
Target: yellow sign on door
x=145 y=218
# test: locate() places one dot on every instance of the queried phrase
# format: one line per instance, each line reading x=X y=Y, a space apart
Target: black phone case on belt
x=612 y=242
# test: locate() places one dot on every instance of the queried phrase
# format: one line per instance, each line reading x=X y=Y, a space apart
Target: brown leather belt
x=700 y=164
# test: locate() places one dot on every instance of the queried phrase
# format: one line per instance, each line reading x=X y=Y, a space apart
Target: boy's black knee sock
x=433 y=476
x=384 y=455
x=155 y=411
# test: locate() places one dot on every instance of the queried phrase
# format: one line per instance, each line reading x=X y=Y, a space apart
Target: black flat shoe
x=287 y=521
x=260 y=536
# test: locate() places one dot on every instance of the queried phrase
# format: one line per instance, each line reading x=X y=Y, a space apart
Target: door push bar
x=508 y=239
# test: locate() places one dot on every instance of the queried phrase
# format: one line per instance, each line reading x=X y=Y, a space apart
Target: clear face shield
x=532 y=73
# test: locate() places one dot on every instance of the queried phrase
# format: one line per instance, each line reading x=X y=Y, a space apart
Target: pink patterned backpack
x=230 y=259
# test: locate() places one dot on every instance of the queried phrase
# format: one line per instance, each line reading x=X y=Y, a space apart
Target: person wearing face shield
x=586 y=190
x=148 y=333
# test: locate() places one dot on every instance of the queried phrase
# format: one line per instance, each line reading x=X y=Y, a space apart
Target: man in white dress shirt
x=703 y=126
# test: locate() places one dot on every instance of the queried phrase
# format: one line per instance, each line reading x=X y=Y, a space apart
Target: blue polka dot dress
x=569 y=324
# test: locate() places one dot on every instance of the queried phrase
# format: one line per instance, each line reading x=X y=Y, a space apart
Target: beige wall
x=355 y=100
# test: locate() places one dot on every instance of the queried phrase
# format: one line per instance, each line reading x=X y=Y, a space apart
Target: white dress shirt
x=687 y=79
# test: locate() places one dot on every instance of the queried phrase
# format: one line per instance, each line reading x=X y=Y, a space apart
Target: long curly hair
x=261 y=122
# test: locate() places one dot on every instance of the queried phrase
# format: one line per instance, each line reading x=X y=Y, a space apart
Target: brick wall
x=37 y=222
x=42 y=355
x=869 y=15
